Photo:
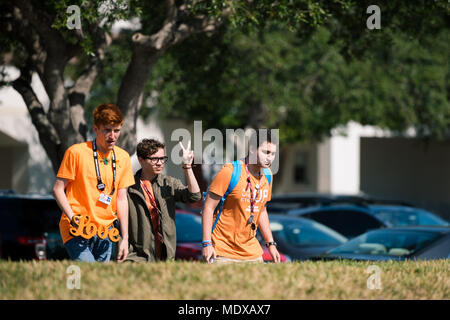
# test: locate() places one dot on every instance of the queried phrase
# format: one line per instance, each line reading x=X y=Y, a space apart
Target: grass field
x=186 y=281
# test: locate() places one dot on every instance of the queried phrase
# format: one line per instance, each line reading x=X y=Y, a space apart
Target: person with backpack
x=235 y=207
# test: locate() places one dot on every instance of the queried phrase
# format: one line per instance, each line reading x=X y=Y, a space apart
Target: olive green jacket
x=168 y=191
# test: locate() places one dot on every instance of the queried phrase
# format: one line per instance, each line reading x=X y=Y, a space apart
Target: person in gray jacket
x=151 y=201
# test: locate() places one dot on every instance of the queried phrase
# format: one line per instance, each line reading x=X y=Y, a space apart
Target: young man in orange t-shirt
x=92 y=181
x=233 y=238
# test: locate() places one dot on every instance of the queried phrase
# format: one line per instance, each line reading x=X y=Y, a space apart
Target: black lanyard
x=100 y=184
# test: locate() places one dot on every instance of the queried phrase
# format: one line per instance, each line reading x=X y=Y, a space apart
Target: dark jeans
x=89 y=250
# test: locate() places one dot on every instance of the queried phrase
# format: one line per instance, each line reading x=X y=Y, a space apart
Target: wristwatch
x=268 y=244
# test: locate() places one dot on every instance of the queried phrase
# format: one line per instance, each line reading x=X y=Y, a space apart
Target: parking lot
x=306 y=227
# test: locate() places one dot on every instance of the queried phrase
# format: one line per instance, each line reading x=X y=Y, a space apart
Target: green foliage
x=151 y=14
x=302 y=66
x=93 y=13
x=409 y=85
x=254 y=15
x=307 y=88
x=108 y=81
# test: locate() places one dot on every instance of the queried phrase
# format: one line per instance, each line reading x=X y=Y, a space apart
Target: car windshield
x=388 y=242
x=399 y=218
x=299 y=233
x=189 y=228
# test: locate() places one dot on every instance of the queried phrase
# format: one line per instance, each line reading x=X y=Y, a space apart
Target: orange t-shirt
x=233 y=236
x=150 y=207
x=154 y=215
x=78 y=169
x=149 y=187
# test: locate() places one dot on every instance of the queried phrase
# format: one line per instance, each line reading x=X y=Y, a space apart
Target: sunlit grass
x=185 y=280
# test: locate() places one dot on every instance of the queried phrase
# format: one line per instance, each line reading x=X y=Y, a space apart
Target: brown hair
x=147 y=147
x=107 y=114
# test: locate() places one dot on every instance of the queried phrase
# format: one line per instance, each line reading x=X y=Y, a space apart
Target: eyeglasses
x=155 y=160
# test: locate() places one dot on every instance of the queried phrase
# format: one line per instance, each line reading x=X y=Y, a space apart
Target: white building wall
x=15 y=122
x=345 y=156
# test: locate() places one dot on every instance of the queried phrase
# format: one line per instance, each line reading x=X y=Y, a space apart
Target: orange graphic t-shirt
x=78 y=169
x=233 y=236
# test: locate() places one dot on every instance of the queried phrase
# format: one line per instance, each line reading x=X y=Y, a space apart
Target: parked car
x=29 y=227
x=189 y=238
x=399 y=216
x=352 y=220
x=392 y=213
x=286 y=202
x=301 y=238
x=348 y=220
x=395 y=244
x=189 y=235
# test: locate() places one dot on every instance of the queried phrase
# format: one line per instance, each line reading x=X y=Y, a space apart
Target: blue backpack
x=235 y=176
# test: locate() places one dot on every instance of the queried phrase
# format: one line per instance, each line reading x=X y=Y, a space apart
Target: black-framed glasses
x=155 y=160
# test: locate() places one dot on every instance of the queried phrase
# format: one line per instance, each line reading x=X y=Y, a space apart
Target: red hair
x=107 y=114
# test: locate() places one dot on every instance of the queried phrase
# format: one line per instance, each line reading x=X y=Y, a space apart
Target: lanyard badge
x=105 y=199
x=252 y=200
x=249 y=186
x=100 y=185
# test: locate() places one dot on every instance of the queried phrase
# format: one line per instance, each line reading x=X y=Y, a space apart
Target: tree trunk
x=131 y=91
x=130 y=96
x=64 y=124
x=48 y=136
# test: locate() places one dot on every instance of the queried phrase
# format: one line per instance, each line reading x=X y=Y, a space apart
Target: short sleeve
x=126 y=177
x=221 y=181
x=270 y=188
x=68 y=168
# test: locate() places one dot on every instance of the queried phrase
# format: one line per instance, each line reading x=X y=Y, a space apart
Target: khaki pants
x=224 y=260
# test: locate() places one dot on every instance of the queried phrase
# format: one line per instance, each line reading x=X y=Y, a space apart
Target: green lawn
x=185 y=280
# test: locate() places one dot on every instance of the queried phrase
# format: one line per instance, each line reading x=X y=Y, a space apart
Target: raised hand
x=188 y=154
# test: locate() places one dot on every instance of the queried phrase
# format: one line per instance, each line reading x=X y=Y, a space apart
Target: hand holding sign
x=82 y=226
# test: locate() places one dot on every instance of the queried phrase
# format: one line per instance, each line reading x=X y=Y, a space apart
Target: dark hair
x=107 y=114
x=147 y=147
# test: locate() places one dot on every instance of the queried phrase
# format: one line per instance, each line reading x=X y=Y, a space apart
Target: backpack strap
x=235 y=176
x=268 y=175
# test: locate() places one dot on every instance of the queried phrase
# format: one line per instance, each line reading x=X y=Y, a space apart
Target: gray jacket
x=168 y=191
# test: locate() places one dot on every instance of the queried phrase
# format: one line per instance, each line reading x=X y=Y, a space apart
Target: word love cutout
x=88 y=229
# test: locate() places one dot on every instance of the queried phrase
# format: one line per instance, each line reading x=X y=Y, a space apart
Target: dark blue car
x=352 y=220
x=29 y=227
x=301 y=238
x=406 y=243
x=400 y=216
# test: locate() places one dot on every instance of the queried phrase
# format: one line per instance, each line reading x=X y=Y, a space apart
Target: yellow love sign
x=87 y=229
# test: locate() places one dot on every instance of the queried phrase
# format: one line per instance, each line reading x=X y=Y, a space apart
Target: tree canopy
x=232 y=63
x=304 y=88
